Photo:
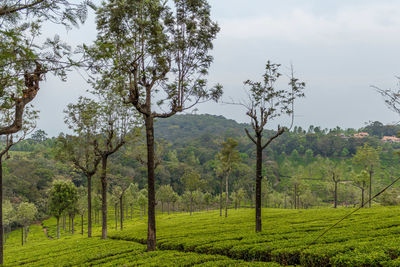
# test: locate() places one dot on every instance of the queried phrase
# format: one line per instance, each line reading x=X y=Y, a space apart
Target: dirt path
x=45 y=232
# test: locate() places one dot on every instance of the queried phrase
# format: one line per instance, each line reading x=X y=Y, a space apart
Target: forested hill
x=183 y=128
x=192 y=143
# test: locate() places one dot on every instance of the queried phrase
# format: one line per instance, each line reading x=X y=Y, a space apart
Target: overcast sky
x=338 y=47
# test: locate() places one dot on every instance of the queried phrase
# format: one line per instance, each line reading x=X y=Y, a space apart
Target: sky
x=338 y=47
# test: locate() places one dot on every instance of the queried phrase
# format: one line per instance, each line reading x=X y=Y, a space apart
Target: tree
x=220 y=174
x=121 y=180
x=9 y=216
x=361 y=181
x=115 y=194
x=192 y=181
x=208 y=198
x=309 y=156
x=142 y=201
x=266 y=192
x=297 y=184
x=28 y=124
x=174 y=197
x=97 y=206
x=198 y=197
x=334 y=172
x=82 y=205
x=234 y=199
x=240 y=195
x=26 y=212
x=165 y=194
x=24 y=63
x=39 y=136
x=390 y=198
x=266 y=103
x=368 y=158
x=156 y=51
x=228 y=157
x=113 y=123
x=132 y=195
x=72 y=210
x=81 y=149
x=62 y=195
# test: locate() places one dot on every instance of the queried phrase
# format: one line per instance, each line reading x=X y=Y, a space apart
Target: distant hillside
x=188 y=127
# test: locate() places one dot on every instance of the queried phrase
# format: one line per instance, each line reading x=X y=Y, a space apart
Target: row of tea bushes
x=287 y=236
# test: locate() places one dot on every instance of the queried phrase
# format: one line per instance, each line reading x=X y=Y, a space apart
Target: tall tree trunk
x=335 y=206
x=258 y=183
x=362 y=197
x=1 y=212
x=298 y=201
x=89 y=178
x=191 y=203
x=220 y=195
x=22 y=235
x=104 y=197
x=285 y=203
x=151 y=226
x=121 y=212
x=58 y=227
x=168 y=207
x=72 y=223
x=116 y=215
x=69 y=223
x=82 y=224
x=370 y=188
x=131 y=212
x=26 y=232
x=226 y=194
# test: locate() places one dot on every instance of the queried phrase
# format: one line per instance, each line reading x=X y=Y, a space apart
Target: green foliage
x=62 y=196
x=9 y=213
x=228 y=156
x=165 y=194
x=82 y=203
x=32 y=186
x=26 y=212
x=192 y=180
x=162 y=33
x=367 y=157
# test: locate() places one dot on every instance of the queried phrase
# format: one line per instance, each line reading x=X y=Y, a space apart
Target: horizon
x=338 y=48
x=244 y=123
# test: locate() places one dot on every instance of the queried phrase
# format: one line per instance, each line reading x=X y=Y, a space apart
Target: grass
x=371 y=237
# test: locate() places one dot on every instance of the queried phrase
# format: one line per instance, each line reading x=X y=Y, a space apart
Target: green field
x=371 y=237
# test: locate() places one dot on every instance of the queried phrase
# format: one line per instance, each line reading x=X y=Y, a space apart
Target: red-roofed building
x=361 y=135
x=390 y=139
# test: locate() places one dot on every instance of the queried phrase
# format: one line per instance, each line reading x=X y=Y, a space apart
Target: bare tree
x=266 y=102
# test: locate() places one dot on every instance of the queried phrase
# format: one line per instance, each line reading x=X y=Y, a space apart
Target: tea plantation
x=371 y=237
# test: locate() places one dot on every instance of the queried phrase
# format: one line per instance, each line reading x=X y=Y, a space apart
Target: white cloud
x=372 y=23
